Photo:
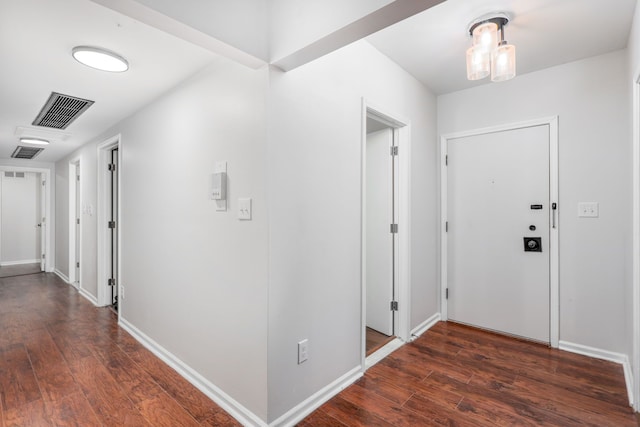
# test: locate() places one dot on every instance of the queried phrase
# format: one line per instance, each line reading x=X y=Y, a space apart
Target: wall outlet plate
x=588 y=210
x=303 y=351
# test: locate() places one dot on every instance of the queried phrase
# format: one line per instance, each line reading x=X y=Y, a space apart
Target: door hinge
x=394 y=305
x=446 y=160
x=112 y=167
x=112 y=282
x=44 y=183
x=78 y=221
x=77 y=177
x=394 y=228
x=77 y=265
x=112 y=224
x=44 y=256
x=446 y=293
x=446 y=227
x=394 y=150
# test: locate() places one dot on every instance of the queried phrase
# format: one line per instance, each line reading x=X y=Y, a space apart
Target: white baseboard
x=424 y=326
x=88 y=296
x=304 y=408
x=226 y=402
x=24 y=261
x=61 y=275
x=611 y=356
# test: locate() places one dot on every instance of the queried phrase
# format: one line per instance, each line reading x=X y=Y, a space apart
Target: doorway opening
x=385 y=234
x=500 y=221
x=22 y=231
x=109 y=238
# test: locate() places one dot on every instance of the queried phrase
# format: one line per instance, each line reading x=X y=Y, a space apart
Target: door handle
x=40 y=225
x=554 y=210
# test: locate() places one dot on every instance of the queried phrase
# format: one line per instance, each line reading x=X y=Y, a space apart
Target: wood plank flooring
x=19 y=270
x=375 y=340
x=454 y=375
x=64 y=362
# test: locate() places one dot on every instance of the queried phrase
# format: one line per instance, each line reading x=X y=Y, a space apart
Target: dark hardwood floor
x=375 y=340
x=19 y=270
x=64 y=362
x=454 y=375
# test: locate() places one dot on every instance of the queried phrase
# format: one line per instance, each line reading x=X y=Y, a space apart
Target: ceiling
x=432 y=45
x=36 y=38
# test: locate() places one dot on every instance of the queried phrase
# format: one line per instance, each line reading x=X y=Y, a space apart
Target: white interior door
x=379 y=240
x=42 y=219
x=498 y=195
x=78 y=213
x=20 y=217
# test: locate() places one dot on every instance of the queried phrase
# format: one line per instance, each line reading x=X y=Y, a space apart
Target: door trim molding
x=402 y=135
x=554 y=260
x=103 y=159
x=75 y=168
x=635 y=357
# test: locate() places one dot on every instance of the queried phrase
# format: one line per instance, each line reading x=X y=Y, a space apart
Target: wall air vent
x=26 y=152
x=60 y=110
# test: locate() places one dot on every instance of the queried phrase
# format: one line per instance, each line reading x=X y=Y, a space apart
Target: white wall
x=195 y=279
x=591 y=99
x=19 y=215
x=314 y=159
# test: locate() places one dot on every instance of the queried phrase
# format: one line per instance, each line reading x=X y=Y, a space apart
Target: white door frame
x=634 y=387
x=75 y=187
x=554 y=273
x=402 y=137
x=45 y=247
x=104 y=179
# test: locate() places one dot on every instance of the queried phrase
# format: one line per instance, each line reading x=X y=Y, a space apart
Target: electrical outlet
x=303 y=351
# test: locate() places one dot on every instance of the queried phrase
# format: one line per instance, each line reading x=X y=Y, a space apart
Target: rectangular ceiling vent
x=60 y=110
x=26 y=152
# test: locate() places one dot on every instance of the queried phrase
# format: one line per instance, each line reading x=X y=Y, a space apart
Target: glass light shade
x=100 y=59
x=485 y=36
x=503 y=63
x=478 y=64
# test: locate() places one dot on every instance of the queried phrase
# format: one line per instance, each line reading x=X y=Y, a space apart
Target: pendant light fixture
x=490 y=54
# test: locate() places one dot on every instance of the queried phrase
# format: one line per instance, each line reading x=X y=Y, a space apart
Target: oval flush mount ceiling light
x=100 y=59
x=36 y=141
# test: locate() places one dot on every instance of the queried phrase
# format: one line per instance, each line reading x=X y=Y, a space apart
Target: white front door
x=498 y=201
x=379 y=239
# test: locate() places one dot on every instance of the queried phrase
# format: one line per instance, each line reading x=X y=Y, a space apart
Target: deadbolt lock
x=532 y=244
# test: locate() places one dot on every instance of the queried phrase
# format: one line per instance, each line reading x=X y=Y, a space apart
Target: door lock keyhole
x=532 y=244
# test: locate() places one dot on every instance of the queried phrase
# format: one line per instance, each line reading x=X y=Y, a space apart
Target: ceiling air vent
x=60 y=110
x=26 y=152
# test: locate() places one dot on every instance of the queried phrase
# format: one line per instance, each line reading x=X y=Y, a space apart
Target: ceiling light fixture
x=488 y=54
x=100 y=59
x=35 y=141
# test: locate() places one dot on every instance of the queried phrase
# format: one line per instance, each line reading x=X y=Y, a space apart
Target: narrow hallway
x=66 y=362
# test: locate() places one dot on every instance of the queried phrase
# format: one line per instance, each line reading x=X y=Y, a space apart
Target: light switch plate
x=588 y=210
x=244 y=209
x=220 y=167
